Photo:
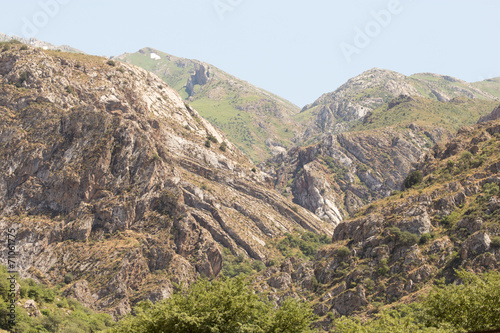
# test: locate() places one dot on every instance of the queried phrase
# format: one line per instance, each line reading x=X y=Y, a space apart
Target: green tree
x=414 y=178
x=224 y=306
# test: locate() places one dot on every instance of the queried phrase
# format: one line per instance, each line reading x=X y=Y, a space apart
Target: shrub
x=207 y=144
x=212 y=138
x=414 y=178
x=424 y=238
x=68 y=278
x=343 y=252
x=111 y=63
x=382 y=268
x=24 y=48
x=223 y=146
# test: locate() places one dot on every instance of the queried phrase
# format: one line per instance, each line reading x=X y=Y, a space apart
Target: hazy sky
x=295 y=49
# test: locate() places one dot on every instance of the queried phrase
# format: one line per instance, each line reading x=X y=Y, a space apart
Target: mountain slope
x=258 y=122
x=106 y=174
x=491 y=86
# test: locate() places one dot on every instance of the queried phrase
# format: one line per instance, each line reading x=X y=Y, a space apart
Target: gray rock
x=476 y=244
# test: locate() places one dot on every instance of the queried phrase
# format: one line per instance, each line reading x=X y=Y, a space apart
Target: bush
x=343 y=252
x=212 y=138
x=111 y=63
x=403 y=237
x=68 y=278
x=24 y=48
x=223 y=146
x=414 y=178
x=424 y=238
x=207 y=144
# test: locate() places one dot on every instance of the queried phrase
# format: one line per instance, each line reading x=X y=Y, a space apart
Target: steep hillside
x=395 y=249
x=107 y=175
x=258 y=122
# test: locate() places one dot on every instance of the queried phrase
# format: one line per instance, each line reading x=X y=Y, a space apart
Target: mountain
x=38 y=43
x=338 y=111
x=368 y=134
x=395 y=249
x=107 y=175
x=258 y=122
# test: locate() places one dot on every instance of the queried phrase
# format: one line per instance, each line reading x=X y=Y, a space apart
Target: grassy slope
x=427 y=112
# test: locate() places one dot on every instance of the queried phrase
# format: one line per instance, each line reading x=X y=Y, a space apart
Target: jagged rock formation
x=258 y=122
x=106 y=174
x=344 y=172
x=370 y=132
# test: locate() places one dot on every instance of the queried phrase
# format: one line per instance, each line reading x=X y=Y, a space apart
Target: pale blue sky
x=295 y=49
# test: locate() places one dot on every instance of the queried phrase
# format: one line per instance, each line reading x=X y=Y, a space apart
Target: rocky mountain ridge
x=108 y=175
x=38 y=43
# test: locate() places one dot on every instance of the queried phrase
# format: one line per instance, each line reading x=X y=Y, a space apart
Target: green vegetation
x=473 y=305
x=225 y=305
x=414 y=178
x=57 y=313
x=427 y=112
x=304 y=246
x=239 y=265
x=403 y=237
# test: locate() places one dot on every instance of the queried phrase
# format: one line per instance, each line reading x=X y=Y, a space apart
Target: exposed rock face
x=342 y=173
x=200 y=77
x=106 y=175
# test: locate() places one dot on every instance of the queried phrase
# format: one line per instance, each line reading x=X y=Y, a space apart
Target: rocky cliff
x=108 y=175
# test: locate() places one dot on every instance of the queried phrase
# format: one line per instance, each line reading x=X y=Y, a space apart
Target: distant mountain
x=38 y=43
x=258 y=122
x=373 y=90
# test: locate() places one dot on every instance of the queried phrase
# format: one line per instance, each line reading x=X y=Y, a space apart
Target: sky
x=295 y=49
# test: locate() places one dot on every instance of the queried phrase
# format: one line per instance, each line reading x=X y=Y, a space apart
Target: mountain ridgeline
x=135 y=190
